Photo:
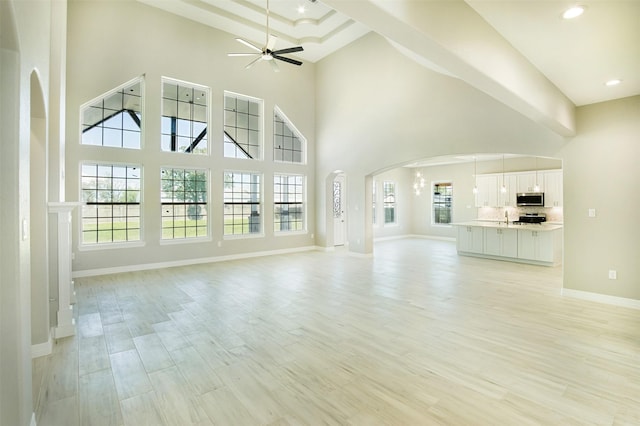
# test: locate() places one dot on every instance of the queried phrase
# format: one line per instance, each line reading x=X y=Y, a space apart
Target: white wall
x=111 y=43
x=377 y=114
x=24 y=44
x=601 y=172
x=374 y=114
x=403 y=180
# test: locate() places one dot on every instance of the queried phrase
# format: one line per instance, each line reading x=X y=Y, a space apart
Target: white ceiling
x=577 y=56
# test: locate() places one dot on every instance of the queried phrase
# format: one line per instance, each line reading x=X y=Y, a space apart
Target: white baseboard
x=602 y=298
x=187 y=262
x=42 y=349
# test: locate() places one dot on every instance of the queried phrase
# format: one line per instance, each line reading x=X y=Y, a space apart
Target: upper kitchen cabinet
x=553 y=188
x=487 y=195
x=507 y=198
x=527 y=181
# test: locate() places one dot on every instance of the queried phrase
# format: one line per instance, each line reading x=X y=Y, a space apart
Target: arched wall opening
x=419 y=213
x=38 y=184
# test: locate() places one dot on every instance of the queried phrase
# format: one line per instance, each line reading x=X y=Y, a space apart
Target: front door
x=338 y=211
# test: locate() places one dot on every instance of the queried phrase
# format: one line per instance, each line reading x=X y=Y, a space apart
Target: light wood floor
x=413 y=336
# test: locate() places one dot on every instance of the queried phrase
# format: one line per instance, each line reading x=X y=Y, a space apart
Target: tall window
x=242 y=203
x=185 y=114
x=111 y=194
x=442 y=198
x=288 y=144
x=242 y=127
x=288 y=199
x=184 y=203
x=389 y=199
x=373 y=202
x=115 y=119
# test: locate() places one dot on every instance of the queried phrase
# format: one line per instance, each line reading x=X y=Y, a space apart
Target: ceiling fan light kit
x=267 y=53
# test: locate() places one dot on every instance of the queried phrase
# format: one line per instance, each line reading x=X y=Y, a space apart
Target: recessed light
x=573 y=12
x=613 y=82
x=301 y=9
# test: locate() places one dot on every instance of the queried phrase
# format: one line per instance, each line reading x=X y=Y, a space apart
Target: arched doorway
x=38 y=230
x=339 y=210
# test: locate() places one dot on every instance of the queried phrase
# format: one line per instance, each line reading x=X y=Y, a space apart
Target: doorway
x=339 y=217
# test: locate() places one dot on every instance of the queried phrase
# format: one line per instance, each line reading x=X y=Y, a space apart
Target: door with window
x=339 y=223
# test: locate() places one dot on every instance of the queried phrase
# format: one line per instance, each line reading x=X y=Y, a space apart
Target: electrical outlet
x=592 y=212
x=613 y=274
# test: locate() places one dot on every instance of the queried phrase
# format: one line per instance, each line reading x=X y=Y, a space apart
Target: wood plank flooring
x=413 y=336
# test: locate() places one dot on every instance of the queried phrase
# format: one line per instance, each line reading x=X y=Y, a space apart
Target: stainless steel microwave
x=530 y=199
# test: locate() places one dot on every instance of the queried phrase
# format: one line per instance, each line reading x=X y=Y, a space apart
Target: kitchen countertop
x=495 y=224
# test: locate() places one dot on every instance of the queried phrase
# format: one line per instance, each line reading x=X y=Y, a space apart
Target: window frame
x=448 y=207
x=193 y=87
x=302 y=203
x=101 y=98
x=390 y=204
x=84 y=246
x=260 y=123
x=207 y=204
x=374 y=203
x=260 y=205
x=278 y=113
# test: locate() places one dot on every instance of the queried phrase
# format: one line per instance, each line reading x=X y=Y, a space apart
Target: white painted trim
x=187 y=262
x=42 y=349
x=602 y=298
x=33 y=419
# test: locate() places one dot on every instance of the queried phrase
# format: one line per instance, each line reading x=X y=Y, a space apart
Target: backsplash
x=554 y=214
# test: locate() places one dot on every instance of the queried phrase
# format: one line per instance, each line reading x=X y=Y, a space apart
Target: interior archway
x=40 y=323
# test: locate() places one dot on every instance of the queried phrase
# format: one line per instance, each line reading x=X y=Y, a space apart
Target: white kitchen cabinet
x=526 y=182
x=508 y=198
x=487 y=195
x=501 y=242
x=541 y=246
x=553 y=188
x=470 y=239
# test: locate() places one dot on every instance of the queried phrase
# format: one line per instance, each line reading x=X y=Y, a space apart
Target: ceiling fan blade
x=285 y=59
x=288 y=50
x=250 y=64
x=242 y=54
x=274 y=66
x=249 y=45
x=271 y=42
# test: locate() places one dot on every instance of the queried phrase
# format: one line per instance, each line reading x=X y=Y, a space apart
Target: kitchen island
x=538 y=244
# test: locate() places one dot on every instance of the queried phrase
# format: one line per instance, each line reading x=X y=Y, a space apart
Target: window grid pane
x=288 y=194
x=442 y=199
x=242 y=127
x=183 y=195
x=287 y=146
x=242 y=203
x=115 y=120
x=185 y=114
x=389 y=201
x=373 y=206
x=111 y=194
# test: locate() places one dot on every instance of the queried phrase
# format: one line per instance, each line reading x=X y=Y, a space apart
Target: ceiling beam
x=454 y=37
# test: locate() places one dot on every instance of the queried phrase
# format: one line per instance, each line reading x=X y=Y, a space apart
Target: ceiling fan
x=267 y=53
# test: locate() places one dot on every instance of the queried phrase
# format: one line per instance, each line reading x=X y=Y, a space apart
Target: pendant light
x=504 y=188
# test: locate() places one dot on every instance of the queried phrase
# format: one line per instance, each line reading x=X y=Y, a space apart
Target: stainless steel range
x=532 y=218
